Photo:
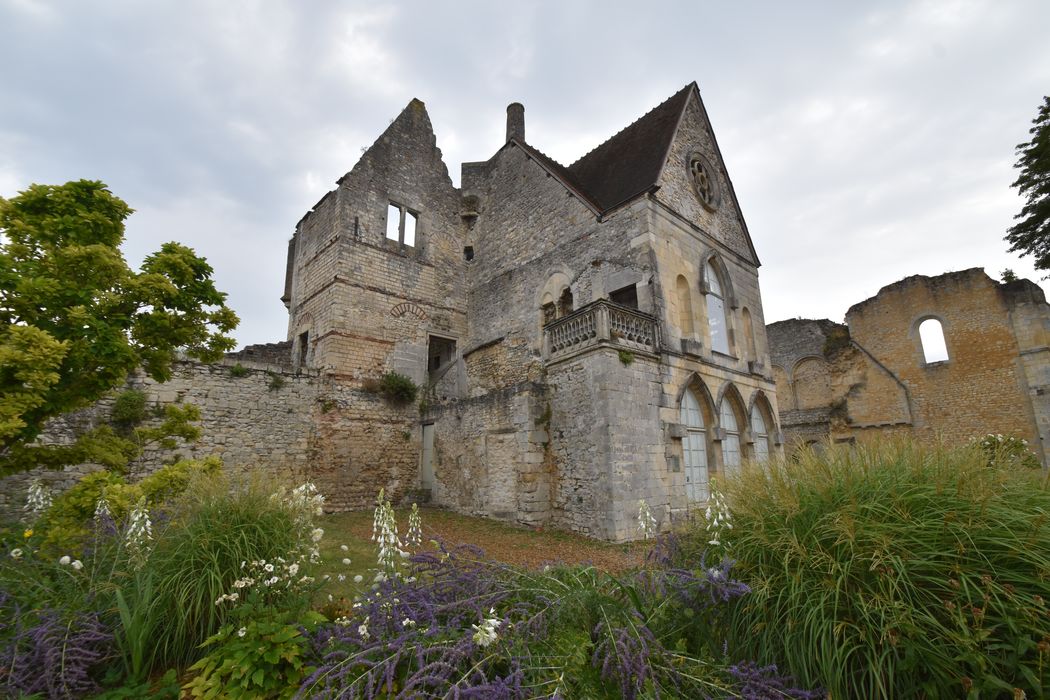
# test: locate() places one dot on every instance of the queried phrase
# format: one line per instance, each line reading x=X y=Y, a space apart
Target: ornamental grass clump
x=891 y=570
x=215 y=527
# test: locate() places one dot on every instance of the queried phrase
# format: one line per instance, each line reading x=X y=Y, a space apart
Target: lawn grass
x=520 y=546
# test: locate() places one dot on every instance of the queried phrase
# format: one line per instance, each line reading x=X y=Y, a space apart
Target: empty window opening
x=393 y=222
x=410 y=228
x=440 y=352
x=628 y=296
x=304 y=347
x=468 y=253
x=731 y=441
x=716 y=311
x=931 y=335
x=565 y=303
x=694 y=448
x=401 y=224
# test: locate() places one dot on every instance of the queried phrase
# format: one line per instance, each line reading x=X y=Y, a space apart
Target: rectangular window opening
x=627 y=296
x=410 y=228
x=440 y=351
x=393 y=222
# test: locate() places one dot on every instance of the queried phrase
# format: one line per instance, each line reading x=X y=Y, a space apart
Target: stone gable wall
x=676 y=189
x=369 y=302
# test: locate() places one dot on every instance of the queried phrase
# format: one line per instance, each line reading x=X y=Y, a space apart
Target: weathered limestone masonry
x=261 y=418
x=876 y=374
x=586 y=336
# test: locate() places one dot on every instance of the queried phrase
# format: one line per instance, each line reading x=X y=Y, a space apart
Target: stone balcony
x=601 y=323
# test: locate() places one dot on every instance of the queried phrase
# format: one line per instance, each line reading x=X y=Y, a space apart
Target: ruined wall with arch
x=874 y=376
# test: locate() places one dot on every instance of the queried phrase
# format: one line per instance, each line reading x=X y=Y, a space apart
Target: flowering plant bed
x=242 y=594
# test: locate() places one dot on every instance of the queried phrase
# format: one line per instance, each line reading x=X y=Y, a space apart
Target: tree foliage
x=75 y=319
x=1031 y=234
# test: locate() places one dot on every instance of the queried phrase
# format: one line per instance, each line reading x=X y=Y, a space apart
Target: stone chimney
x=516 y=121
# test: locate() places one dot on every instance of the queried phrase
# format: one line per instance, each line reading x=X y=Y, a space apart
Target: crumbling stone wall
x=368 y=302
x=262 y=418
x=994 y=379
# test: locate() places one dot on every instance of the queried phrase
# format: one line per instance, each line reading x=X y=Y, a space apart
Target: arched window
x=731 y=441
x=931 y=335
x=760 y=433
x=555 y=298
x=685 y=307
x=694 y=448
x=716 y=310
x=565 y=302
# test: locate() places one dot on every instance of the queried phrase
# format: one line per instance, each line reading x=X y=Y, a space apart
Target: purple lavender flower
x=622 y=654
x=766 y=683
x=48 y=654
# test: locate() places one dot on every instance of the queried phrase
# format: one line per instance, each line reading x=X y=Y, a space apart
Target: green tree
x=1031 y=234
x=75 y=319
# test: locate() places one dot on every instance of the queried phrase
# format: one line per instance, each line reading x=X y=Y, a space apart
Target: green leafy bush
x=892 y=570
x=66 y=525
x=129 y=409
x=238 y=371
x=1006 y=450
x=398 y=388
x=261 y=659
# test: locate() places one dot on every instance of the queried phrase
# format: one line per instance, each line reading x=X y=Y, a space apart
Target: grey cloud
x=865 y=144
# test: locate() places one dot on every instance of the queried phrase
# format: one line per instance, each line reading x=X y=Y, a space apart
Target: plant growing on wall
x=75 y=319
x=398 y=388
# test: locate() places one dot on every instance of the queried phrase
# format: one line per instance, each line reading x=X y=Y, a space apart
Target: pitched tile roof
x=626 y=165
x=629 y=163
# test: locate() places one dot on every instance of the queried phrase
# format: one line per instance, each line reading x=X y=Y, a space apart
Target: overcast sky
x=865 y=143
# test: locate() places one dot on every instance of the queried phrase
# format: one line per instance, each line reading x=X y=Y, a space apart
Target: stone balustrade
x=597 y=323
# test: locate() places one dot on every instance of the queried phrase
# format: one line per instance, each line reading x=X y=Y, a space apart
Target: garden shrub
x=893 y=570
x=398 y=388
x=264 y=658
x=66 y=526
x=129 y=409
x=1006 y=451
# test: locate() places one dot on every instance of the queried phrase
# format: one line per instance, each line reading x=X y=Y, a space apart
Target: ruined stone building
x=587 y=335
x=937 y=358
x=584 y=336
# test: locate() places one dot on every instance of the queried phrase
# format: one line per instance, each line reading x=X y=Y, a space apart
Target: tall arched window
x=685 y=307
x=760 y=433
x=694 y=448
x=731 y=441
x=931 y=335
x=716 y=310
